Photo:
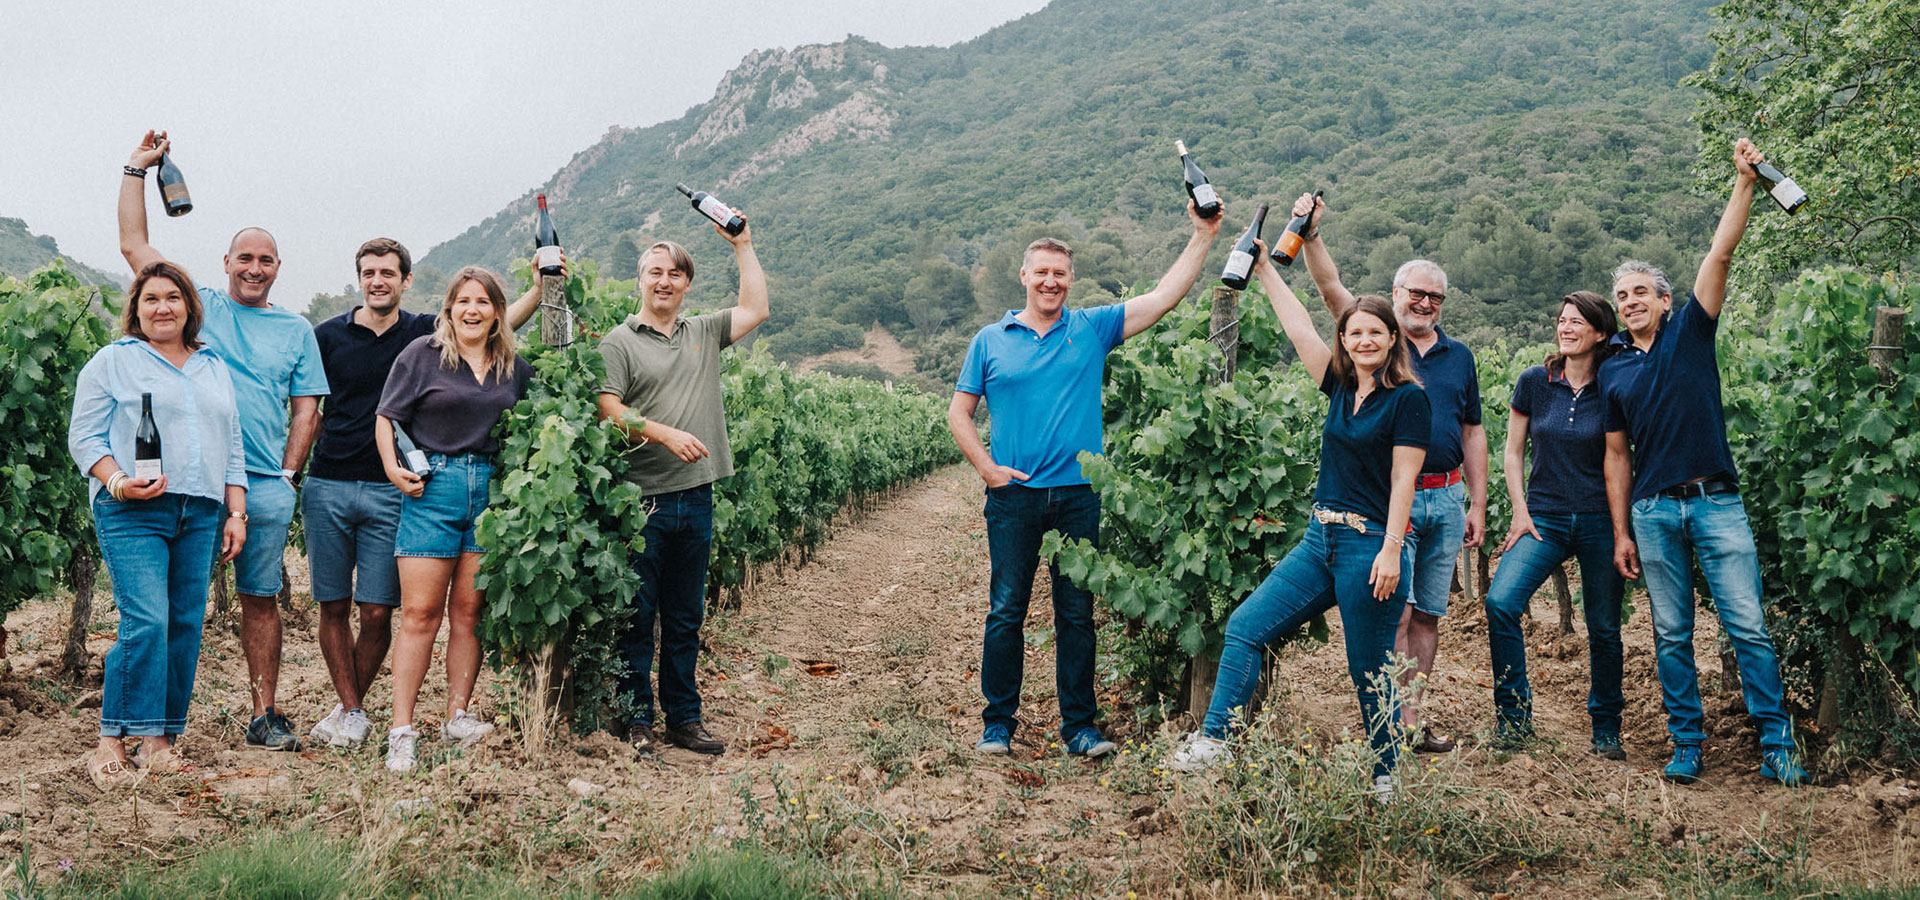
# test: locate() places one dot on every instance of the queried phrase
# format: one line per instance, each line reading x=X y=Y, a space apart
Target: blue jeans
x=1670 y=533
x=673 y=587
x=439 y=523
x=1589 y=538
x=1017 y=517
x=1439 y=526
x=1329 y=567
x=159 y=554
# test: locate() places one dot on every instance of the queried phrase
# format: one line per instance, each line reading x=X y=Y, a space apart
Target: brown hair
x=1598 y=313
x=499 y=339
x=1398 y=369
x=130 y=315
x=682 y=260
x=382 y=247
x=1046 y=243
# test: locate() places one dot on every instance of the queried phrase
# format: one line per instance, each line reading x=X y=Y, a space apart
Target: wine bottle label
x=1239 y=263
x=1289 y=244
x=1204 y=195
x=715 y=210
x=146 y=469
x=175 y=192
x=1788 y=194
x=546 y=257
x=417 y=461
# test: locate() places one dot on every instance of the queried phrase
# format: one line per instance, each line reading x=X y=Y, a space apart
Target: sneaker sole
x=993 y=749
x=1613 y=753
x=1096 y=751
x=1768 y=773
x=292 y=746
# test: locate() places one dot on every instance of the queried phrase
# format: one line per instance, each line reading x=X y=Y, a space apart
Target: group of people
x=1631 y=476
x=243 y=392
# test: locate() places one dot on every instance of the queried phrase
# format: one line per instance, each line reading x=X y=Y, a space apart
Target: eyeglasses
x=1424 y=296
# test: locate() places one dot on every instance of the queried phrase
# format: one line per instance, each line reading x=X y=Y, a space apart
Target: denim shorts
x=350 y=530
x=257 y=570
x=439 y=524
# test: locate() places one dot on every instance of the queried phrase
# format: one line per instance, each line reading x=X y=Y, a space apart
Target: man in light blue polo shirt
x=275 y=362
x=1040 y=370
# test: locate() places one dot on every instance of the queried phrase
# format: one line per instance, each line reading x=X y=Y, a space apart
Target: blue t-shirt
x=1667 y=400
x=1043 y=391
x=1356 y=448
x=1569 y=435
x=1453 y=390
x=272 y=355
x=357 y=362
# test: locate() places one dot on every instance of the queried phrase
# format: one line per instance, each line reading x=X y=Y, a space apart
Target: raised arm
x=1710 y=286
x=1619 y=474
x=1143 y=311
x=754 y=307
x=1320 y=265
x=519 y=311
x=133 y=204
x=1293 y=317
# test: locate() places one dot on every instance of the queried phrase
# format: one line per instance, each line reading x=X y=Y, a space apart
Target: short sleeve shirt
x=1568 y=430
x=446 y=410
x=1356 y=448
x=272 y=355
x=357 y=362
x=1452 y=383
x=673 y=379
x=1043 y=390
x=1667 y=400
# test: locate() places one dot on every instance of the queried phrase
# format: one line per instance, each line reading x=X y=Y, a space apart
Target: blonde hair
x=499 y=341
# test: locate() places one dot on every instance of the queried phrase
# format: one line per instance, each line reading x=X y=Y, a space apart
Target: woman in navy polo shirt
x=1561 y=513
x=1372 y=445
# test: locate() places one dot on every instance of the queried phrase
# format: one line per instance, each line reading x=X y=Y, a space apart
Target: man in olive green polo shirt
x=665 y=369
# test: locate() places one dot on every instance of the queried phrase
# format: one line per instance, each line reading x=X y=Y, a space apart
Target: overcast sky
x=329 y=123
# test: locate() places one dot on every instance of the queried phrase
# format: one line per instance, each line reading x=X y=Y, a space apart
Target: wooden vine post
x=552 y=685
x=1224 y=328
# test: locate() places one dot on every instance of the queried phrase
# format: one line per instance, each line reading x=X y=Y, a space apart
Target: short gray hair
x=1046 y=243
x=1419 y=265
x=1641 y=267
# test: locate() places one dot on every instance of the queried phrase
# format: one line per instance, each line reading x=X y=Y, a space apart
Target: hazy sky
x=329 y=123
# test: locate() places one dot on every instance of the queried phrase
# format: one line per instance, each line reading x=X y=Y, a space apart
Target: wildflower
x=812 y=816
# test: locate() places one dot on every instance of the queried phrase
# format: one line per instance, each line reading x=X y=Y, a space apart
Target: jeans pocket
x=1725 y=500
x=1642 y=506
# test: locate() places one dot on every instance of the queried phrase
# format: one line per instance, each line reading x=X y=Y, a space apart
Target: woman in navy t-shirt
x=1371 y=448
x=1561 y=513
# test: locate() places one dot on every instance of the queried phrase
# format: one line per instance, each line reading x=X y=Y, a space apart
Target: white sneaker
x=1383 y=788
x=353 y=729
x=400 y=742
x=465 y=727
x=1200 y=752
x=327 y=730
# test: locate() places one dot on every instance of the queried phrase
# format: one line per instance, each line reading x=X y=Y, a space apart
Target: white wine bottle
x=1206 y=200
x=546 y=243
x=1784 y=191
x=146 y=444
x=709 y=206
x=1245 y=252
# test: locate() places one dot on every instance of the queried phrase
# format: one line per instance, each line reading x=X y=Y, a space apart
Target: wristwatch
x=291 y=475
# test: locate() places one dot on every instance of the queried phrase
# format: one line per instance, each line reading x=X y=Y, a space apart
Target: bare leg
x=423 y=598
x=463 y=649
x=260 y=636
x=336 y=647
x=370 y=650
x=1419 y=637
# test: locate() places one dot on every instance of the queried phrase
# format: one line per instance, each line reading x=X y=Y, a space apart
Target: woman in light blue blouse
x=157 y=535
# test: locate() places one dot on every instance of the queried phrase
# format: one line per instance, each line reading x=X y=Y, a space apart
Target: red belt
x=1428 y=482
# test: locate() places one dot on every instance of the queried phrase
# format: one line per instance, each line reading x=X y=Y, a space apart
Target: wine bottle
x=1240 y=261
x=1288 y=246
x=146 y=444
x=721 y=214
x=411 y=456
x=1784 y=191
x=1206 y=200
x=546 y=242
x=173 y=188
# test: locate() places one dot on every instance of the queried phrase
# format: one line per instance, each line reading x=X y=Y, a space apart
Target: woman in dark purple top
x=447 y=391
x=1374 y=440
x=1560 y=513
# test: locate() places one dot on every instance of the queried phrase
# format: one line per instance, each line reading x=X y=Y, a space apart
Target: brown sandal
x=108 y=772
x=165 y=761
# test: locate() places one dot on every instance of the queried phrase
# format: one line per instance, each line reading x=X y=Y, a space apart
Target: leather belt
x=1429 y=482
x=1703 y=488
x=1352 y=520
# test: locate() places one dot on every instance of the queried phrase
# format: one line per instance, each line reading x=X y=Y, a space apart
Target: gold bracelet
x=116 y=485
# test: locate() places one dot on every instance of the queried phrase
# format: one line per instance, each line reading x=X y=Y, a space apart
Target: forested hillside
x=1526 y=145
x=22 y=252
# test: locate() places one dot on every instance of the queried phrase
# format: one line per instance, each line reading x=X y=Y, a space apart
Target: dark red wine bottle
x=1245 y=253
x=1206 y=200
x=721 y=214
x=546 y=243
x=173 y=188
x=146 y=444
x=1288 y=246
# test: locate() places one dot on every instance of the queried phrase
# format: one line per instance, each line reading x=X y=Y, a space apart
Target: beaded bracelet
x=135 y=172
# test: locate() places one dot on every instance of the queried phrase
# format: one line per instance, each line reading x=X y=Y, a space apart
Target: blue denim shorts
x=257 y=570
x=351 y=527
x=439 y=524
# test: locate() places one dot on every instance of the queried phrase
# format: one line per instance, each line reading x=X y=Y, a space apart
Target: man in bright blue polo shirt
x=1662 y=391
x=273 y=358
x=1040 y=370
x=1450 y=507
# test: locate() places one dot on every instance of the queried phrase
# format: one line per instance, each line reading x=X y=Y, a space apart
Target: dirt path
x=849 y=687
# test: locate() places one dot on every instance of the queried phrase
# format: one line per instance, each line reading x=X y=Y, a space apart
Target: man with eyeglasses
x=1450 y=507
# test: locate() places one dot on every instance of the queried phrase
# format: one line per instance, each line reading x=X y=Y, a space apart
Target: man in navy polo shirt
x=1662 y=390
x=350 y=510
x=1040 y=369
x=1450 y=507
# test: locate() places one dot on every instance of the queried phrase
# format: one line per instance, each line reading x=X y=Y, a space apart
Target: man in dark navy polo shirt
x=1450 y=507
x=350 y=510
x=1040 y=370
x=1668 y=464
